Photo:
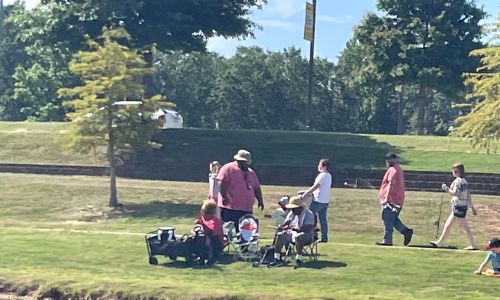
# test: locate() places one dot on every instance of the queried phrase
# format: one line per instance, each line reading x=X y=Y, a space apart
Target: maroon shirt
x=397 y=195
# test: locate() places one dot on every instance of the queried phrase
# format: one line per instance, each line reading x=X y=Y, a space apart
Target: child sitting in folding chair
x=212 y=227
x=298 y=228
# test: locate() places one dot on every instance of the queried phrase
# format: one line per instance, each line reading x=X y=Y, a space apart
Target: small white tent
x=169 y=118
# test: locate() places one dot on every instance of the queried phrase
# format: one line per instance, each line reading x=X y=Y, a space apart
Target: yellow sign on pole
x=309 y=23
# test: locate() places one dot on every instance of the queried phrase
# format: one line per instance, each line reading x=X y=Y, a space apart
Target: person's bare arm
x=223 y=192
x=260 y=200
x=474 y=211
x=453 y=191
x=481 y=267
x=389 y=188
x=310 y=190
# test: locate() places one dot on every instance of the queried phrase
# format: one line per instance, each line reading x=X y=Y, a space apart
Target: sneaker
x=323 y=241
x=470 y=248
x=275 y=263
x=298 y=264
x=382 y=243
x=408 y=234
x=434 y=244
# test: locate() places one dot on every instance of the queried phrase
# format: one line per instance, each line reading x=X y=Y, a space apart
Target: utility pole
x=309 y=30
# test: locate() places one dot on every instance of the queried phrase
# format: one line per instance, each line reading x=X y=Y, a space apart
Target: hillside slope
x=30 y=142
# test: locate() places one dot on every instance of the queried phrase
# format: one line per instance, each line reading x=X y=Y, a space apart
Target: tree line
x=401 y=72
x=37 y=45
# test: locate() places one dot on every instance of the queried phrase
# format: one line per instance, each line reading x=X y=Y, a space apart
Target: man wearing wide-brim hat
x=297 y=228
x=238 y=188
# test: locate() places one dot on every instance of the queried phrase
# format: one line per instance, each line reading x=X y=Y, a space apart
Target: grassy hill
x=24 y=142
x=33 y=142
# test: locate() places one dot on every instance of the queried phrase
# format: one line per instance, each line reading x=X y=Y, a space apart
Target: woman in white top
x=460 y=201
x=321 y=196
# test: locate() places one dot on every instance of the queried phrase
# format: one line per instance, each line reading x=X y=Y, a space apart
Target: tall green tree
x=44 y=68
x=53 y=31
x=325 y=109
x=287 y=89
x=110 y=72
x=170 y=24
x=367 y=93
x=241 y=91
x=188 y=80
x=12 y=54
x=482 y=124
x=254 y=89
x=425 y=43
x=257 y=89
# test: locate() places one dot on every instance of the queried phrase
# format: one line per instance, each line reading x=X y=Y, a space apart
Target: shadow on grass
x=180 y=263
x=273 y=149
x=156 y=209
x=322 y=264
x=432 y=247
x=229 y=259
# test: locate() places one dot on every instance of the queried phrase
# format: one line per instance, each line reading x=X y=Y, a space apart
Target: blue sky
x=282 y=22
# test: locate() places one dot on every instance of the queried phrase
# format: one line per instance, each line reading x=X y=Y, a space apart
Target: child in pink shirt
x=212 y=227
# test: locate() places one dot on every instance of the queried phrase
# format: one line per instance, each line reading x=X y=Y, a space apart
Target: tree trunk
x=400 y=111
x=113 y=200
x=332 y=114
x=429 y=114
x=147 y=55
x=422 y=97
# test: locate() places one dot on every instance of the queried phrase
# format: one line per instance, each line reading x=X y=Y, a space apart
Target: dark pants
x=214 y=247
x=391 y=221
x=230 y=215
x=207 y=247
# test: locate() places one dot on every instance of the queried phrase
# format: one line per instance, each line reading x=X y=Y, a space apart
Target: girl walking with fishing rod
x=461 y=200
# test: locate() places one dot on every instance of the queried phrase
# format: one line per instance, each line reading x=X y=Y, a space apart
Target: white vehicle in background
x=168 y=118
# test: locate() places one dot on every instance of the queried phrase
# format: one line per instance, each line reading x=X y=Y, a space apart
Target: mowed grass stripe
x=262 y=241
x=90 y=262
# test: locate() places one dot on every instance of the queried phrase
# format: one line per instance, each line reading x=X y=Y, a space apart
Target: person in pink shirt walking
x=392 y=197
x=238 y=188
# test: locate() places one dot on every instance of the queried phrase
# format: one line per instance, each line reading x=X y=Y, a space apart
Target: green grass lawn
x=56 y=232
x=28 y=142
x=34 y=142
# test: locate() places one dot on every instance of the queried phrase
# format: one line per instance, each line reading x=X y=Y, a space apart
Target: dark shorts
x=460 y=211
x=230 y=215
